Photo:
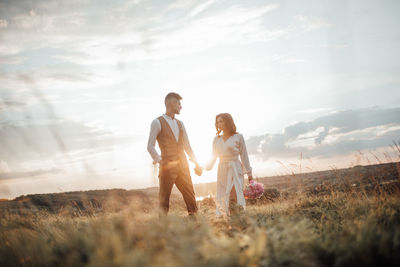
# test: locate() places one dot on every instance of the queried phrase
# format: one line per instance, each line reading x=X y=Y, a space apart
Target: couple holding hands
x=228 y=145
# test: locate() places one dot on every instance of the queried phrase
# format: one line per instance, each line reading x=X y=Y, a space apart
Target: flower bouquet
x=253 y=190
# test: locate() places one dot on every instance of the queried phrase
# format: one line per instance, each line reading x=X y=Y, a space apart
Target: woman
x=229 y=147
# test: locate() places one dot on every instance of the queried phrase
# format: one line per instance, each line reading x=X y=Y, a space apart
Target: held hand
x=198 y=169
x=250 y=178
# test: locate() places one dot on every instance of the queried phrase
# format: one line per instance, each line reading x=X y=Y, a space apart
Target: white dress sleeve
x=214 y=155
x=244 y=157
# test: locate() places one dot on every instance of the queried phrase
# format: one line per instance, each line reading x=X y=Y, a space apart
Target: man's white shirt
x=155 y=129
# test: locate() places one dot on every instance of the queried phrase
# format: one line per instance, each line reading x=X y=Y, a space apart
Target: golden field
x=342 y=223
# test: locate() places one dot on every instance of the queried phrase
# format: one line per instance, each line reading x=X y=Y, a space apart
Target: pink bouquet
x=253 y=190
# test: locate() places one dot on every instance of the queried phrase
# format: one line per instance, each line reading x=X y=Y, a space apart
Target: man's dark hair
x=170 y=96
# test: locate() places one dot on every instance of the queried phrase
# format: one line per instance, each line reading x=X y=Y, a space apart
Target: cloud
x=234 y=25
x=8 y=50
x=10 y=104
x=26 y=142
x=4 y=167
x=286 y=59
x=32 y=21
x=200 y=8
x=315 y=110
x=310 y=24
x=11 y=60
x=335 y=134
x=28 y=174
x=125 y=34
x=3 y=23
x=179 y=36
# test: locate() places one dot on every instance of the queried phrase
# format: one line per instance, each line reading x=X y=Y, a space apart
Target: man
x=173 y=166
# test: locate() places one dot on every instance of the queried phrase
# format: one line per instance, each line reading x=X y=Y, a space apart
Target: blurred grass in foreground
x=344 y=218
x=335 y=229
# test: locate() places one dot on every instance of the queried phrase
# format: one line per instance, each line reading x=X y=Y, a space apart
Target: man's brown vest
x=172 y=152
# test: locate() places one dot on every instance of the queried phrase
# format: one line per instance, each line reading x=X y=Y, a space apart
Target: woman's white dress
x=231 y=170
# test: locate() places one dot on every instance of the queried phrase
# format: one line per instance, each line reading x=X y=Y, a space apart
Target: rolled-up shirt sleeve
x=244 y=156
x=155 y=129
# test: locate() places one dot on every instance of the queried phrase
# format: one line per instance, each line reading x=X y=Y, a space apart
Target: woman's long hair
x=229 y=124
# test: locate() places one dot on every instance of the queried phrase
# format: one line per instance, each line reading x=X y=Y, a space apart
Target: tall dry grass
x=341 y=225
x=330 y=230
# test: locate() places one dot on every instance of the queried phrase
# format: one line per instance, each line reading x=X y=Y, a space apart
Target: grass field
x=330 y=228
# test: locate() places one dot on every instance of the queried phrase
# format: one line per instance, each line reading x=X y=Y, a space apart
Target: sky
x=312 y=85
